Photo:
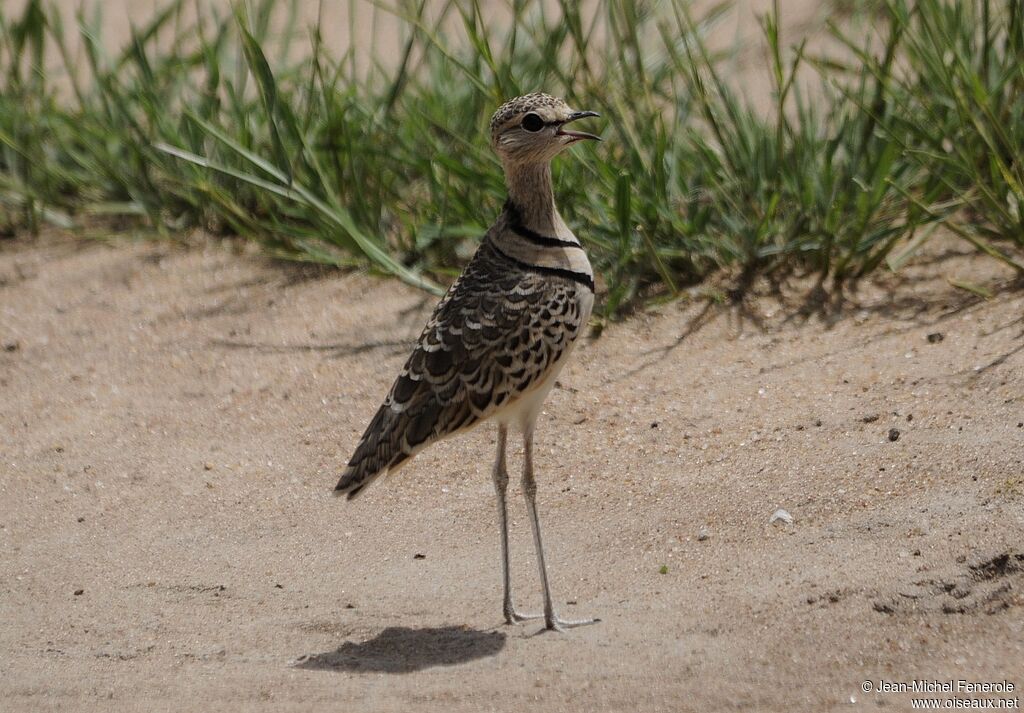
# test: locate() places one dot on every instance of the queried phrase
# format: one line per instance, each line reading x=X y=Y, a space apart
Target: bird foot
x=553 y=623
x=514 y=617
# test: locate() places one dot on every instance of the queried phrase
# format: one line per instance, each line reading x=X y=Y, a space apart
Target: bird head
x=531 y=128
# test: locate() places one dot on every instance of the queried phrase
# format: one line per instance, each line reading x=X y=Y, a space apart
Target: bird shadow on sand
x=399 y=649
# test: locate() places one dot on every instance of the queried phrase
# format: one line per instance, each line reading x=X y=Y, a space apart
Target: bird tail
x=353 y=480
x=377 y=454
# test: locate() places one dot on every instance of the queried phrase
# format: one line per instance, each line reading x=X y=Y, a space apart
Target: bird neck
x=530 y=191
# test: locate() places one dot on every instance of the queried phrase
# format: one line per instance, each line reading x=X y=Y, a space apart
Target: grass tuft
x=196 y=123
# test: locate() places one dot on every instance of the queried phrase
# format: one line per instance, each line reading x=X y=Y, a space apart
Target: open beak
x=577 y=135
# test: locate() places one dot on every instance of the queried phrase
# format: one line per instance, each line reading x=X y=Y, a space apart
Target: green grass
x=961 y=114
x=201 y=125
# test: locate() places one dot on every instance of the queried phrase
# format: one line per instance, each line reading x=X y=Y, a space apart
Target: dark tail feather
x=375 y=455
x=366 y=463
x=349 y=491
x=389 y=441
x=355 y=478
x=358 y=474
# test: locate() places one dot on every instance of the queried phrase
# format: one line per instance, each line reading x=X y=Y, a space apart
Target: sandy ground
x=173 y=421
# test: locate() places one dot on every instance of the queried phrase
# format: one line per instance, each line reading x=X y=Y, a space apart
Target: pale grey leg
x=551 y=620
x=500 y=475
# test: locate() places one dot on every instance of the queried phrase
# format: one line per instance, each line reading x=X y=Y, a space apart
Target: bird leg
x=500 y=475
x=551 y=620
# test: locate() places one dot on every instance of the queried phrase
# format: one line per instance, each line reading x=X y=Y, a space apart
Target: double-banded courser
x=498 y=338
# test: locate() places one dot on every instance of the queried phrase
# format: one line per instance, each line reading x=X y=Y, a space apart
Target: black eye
x=532 y=122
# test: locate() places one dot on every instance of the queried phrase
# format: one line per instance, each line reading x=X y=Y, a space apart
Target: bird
x=500 y=335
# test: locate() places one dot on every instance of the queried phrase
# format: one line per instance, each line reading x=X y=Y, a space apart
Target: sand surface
x=173 y=421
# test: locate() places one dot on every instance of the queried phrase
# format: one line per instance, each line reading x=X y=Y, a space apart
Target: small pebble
x=419 y=556
x=703 y=535
x=894 y=434
x=207 y=466
x=11 y=346
x=936 y=337
x=79 y=592
x=870 y=418
x=782 y=516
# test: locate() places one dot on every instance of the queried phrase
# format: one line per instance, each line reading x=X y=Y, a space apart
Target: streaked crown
x=530 y=128
x=511 y=113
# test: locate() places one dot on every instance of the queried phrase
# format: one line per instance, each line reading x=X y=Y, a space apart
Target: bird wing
x=494 y=335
